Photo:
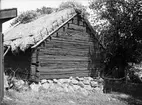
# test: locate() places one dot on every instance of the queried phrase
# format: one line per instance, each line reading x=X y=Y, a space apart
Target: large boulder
x=46 y=85
x=86 y=82
x=35 y=87
x=43 y=81
x=94 y=84
x=74 y=81
x=81 y=84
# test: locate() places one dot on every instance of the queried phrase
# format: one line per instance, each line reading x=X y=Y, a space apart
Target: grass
x=45 y=97
x=120 y=94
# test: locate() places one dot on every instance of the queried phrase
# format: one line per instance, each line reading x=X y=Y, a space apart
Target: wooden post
x=63 y=28
x=1 y=65
x=5 y=15
x=72 y=21
x=68 y=25
x=57 y=35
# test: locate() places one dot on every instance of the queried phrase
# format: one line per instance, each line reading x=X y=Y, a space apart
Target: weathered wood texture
x=72 y=52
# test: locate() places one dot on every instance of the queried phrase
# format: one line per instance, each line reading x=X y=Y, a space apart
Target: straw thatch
x=23 y=36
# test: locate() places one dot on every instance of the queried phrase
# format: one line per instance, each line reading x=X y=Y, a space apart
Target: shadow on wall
x=18 y=64
x=95 y=58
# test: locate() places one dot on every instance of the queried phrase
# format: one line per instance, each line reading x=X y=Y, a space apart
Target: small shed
x=57 y=45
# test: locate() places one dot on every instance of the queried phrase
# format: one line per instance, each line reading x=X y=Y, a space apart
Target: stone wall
x=84 y=85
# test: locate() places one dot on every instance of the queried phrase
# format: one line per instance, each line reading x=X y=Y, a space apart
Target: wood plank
x=63 y=72
x=42 y=76
x=62 y=65
x=67 y=47
x=45 y=69
x=8 y=13
x=73 y=35
x=64 y=58
x=62 y=53
x=62 y=61
x=71 y=48
x=69 y=42
x=59 y=50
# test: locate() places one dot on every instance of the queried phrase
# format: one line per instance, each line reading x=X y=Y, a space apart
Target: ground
x=72 y=92
x=44 y=97
x=60 y=98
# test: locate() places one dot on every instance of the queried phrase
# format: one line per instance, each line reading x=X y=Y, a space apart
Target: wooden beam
x=1 y=66
x=72 y=21
x=63 y=28
x=57 y=35
x=68 y=25
x=7 y=14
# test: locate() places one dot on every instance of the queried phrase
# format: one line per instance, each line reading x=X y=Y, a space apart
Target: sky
x=24 y=5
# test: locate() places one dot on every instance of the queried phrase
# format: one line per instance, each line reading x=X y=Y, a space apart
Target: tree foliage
x=25 y=17
x=45 y=10
x=71 y=4
x=122 y=37
x=30 y=15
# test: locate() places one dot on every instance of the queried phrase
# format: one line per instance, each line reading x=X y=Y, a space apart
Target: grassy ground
x=120 y=94
x=60 y=98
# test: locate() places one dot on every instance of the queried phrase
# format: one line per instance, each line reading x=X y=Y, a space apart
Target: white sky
x=23 y=5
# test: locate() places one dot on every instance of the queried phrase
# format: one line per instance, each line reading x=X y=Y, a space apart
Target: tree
x=122 y=33
x=71 y=4
x=30 y=15
x=25 y=17
x=45 y=10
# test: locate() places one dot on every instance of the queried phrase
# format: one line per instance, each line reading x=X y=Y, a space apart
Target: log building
x=58 y=45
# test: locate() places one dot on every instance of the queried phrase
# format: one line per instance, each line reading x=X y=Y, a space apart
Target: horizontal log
x=81 y=40
x=45 y=76
x=61 y=53
x=65 y=47
x=63 y=72
x=52 y=61
x=75 y=38
x=85 y=43
x=45 y=69
x=58 y=50
x=62 y=65
x=63 y=58
x=70 y=48
x=73 y=35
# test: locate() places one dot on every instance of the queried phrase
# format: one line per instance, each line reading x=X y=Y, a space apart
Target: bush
x=45 y=10
x=28 y=16
x=122 y=35
x=71 y=4
x=25 y=17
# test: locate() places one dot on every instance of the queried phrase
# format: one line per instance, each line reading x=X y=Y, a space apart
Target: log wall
x=70 y=52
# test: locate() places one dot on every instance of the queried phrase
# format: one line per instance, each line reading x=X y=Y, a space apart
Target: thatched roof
x=23 y=36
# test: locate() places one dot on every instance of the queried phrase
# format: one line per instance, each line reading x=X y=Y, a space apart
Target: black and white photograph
x=70 y=52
